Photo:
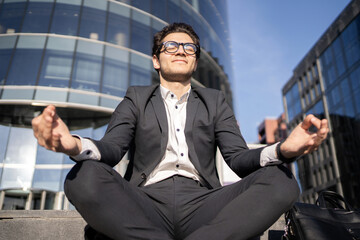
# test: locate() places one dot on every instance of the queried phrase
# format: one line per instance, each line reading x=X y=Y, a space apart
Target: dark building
x=272 y=130
x=327 y=83
x=81 y=56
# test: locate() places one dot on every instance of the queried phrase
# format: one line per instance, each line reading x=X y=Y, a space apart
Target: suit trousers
x=178 y=207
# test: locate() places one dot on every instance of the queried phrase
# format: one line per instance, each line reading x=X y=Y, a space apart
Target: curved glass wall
x=82 y=55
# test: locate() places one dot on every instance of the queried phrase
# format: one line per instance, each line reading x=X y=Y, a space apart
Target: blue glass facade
x=81 y=55
x=327 y=84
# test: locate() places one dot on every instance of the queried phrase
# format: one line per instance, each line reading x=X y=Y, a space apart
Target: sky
x=269 y=38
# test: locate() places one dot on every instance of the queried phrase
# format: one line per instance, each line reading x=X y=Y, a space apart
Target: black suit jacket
x=139 y=125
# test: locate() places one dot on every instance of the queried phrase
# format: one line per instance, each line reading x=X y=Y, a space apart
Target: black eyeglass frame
x=197 y=47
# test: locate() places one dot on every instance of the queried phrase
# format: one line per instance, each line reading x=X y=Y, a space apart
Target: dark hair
x=174 y=28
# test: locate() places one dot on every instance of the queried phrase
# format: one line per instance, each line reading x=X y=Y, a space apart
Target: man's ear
x=156 y=62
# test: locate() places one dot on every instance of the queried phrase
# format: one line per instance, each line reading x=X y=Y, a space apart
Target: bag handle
x=333 y=199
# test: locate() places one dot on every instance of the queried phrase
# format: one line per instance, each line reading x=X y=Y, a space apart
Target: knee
x=285 y=188
x=83 y=181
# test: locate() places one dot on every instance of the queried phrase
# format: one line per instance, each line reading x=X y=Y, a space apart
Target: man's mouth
x=180 y=60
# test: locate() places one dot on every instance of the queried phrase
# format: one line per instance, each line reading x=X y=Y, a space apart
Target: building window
x=90 y=26
x=140 y=70
x=7 y=44
x=37 y=16
x=115 y=80
x=26 y=61
x=11 y=16
x=48 y=179
x=118 y=28
x=66 y=17
x=140 y=32
x=57 y=62
x=310 y=74
x=87 y=66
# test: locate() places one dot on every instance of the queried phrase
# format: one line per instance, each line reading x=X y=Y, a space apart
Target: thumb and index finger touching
x=312 y=120
x=321 y=125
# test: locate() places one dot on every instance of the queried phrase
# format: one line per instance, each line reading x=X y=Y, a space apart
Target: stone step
x=41 y=224
x=68 y=225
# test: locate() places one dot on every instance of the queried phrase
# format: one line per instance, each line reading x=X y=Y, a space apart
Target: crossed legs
x=179 y=208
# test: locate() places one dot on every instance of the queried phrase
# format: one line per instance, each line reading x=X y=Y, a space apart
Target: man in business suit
x=171 y=189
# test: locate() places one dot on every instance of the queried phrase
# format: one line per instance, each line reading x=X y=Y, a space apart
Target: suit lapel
x=191 y=111
x=160 y=112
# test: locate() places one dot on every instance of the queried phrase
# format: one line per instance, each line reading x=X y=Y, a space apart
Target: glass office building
x=327 y=83
x=81 y=56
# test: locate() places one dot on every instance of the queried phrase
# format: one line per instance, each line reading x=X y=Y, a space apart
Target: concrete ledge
x=68 y=225
x=43 y=225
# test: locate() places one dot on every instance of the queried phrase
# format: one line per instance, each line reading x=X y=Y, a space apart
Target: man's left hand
x=301 y=140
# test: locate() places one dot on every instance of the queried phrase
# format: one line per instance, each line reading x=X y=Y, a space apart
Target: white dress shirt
x=176 y=159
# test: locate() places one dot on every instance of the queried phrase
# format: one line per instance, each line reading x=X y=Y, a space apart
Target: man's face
x=177 y=66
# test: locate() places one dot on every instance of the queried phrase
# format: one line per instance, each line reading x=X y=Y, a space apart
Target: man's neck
x=178 y=88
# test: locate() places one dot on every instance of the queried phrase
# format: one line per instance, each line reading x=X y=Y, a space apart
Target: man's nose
x=181 y=50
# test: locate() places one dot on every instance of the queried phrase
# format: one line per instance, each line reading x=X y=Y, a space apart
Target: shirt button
x=177 y=165
x=176 y=107
x=172 y=95
x=181 y=154
x=88 y=152
x=178 y=129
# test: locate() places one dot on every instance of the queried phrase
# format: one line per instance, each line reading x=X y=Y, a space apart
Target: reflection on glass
x=21 y=146
x=37 y=17
x=115 y=80
x=174 y=11
x=6 y=47
x=354 y=77
x=345 y=89
x=335 y=95
x=87 y=67
x=66 y=17
x=17 y=94
x=4 y=130
x=47 y=179
x=45 y=156
x=11 y=15
x=351 y=42
x=187 y=14
x=90 y=26
x=118 y=24
x=140 y=32
x=141 y=4
x=85 y=132
x=293 y=102
x=26 y=61
x=17 y=177
x=57 y=62
x=140 y=70
x=51 y=94
x=64 y=173
x=83 y=98
x=157 y=26
x=159 y=9
x=349 y=107
x=98 y=133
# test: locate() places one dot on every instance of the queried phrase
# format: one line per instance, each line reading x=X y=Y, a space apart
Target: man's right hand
x=53 y=134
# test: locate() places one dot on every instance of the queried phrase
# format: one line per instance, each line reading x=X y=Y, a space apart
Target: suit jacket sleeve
x=120 y=132
x=231 y=143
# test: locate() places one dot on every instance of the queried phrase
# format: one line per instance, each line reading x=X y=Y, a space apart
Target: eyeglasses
x=173 y=47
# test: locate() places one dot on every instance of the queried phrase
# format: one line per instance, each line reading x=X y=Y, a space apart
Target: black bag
x=331 y=218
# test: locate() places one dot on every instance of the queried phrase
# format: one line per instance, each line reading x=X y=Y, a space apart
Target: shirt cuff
x=268 y=156
x=89 y=150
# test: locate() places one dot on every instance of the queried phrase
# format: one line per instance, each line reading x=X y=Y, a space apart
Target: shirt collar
x=166 y=93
